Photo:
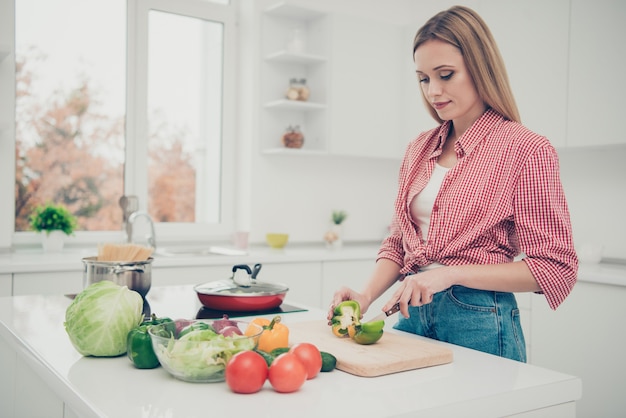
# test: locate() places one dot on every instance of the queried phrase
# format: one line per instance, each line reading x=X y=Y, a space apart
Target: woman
x=474 y=193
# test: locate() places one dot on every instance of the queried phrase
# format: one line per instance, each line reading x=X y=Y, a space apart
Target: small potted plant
x=56 y=221
x=333 y=235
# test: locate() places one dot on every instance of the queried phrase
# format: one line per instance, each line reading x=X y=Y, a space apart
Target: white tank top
x=422 y=204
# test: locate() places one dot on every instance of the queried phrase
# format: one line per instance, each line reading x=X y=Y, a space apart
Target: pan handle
x=255 y=270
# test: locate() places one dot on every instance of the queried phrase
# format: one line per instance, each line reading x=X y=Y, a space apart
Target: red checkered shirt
x=502 y=198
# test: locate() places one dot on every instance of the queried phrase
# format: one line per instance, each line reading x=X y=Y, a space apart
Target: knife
x=383 y=315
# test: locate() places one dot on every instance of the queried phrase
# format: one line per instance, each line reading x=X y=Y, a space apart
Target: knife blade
x=383 y=315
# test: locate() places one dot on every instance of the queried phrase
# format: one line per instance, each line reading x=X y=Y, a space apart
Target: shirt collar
x=474 y=134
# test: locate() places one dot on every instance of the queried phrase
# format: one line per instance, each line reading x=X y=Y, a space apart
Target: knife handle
x=395 y=308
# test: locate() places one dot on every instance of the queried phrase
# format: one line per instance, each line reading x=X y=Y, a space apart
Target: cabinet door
x=596 y=85
x=353 y=274
x=524 y=303
x=533 y=39
x=189 y=275
x=303 y=280
x=6 y=286
x=50 y=283
x=585 y=337
x=366 y=70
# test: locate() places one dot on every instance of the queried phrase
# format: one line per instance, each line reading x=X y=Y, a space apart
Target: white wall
x=296 y=195
x=594 y=180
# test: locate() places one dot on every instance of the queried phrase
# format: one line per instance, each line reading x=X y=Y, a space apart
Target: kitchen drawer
x=50 y=283
x=6 y=284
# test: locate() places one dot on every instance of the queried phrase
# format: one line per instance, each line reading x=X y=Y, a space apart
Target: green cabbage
x=100 y=317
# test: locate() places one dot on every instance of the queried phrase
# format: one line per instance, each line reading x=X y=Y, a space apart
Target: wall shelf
x=294 y=105
x=295 y=58
x=293 y=151
x=280 y=64
x=290 y=11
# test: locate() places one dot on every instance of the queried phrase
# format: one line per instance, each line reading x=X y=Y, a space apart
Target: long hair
x=466 y=30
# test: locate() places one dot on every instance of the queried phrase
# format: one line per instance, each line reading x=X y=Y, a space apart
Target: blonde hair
x=466 y=30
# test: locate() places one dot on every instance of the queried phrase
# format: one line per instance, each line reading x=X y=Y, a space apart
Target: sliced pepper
x=139 y=344
x=274 y=334
x=345 y=315
x=346 y=322
x=368 y=332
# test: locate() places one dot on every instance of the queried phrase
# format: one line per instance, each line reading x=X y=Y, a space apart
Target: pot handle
x=124 y=269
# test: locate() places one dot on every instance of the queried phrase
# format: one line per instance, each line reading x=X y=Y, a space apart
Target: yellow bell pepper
x=275 y=334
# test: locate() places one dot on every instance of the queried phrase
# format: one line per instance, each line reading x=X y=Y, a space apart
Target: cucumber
x=329 y=362
x=278 y=351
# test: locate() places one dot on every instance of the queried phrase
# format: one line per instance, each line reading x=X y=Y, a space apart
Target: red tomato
x=246 y=372
x=310 y=356
x=287 y=373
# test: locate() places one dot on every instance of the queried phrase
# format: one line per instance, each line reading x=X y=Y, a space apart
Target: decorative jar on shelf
x=293 y=137
x=296 y=43
x=298 y=90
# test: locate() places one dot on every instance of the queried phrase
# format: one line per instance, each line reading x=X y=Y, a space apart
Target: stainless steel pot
x=136 y=275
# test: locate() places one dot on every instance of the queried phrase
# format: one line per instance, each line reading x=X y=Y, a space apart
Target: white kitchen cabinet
x=5 y=50
x=353 y=274
x=596 y=59
x=7 y=379
x=532 y=36
x=585 y=337
x=524 y=303
x=49 y=283
x=367 y=74
x=189 y=275
x=6 y=284
x=33 y=396
x=303 y=280
x=282 y=59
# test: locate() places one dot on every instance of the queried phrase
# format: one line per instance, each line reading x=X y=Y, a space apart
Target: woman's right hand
x=343 y=294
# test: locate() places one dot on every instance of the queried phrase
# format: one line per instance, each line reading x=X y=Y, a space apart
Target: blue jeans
x=482 y=320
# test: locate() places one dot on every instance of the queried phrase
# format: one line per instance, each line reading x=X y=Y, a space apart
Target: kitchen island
x=43 y=375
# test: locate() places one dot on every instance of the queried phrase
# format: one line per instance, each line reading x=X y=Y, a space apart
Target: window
x=133 y=97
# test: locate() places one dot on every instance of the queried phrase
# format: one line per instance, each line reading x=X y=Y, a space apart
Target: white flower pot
x=53 y=241
x=333 y=236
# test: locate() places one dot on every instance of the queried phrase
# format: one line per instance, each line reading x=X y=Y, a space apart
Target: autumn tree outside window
x=100 y=114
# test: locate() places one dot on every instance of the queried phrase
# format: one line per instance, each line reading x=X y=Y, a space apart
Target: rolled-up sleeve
x=543 y=226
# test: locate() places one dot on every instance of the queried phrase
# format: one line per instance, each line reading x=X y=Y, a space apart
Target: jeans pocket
x=471 y=299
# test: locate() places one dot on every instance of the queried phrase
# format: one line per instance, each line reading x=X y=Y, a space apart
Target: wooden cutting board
x=392 y=353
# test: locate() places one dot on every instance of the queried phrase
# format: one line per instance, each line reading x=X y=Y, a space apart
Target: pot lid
x=230 y=288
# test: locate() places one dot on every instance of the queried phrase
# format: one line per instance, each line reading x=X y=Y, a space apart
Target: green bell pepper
x=346 y=321
x=139 y=344
x=345 y=315
x=368 y=332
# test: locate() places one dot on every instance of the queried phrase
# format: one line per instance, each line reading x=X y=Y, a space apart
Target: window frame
x=135 y=169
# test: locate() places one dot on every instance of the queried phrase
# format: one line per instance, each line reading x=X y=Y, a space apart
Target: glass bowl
x=194 y=352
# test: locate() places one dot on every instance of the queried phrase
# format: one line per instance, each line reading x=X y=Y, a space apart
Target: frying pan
x=241 y=292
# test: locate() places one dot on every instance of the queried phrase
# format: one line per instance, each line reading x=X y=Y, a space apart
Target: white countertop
x=474 y=384
x=32 y=261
